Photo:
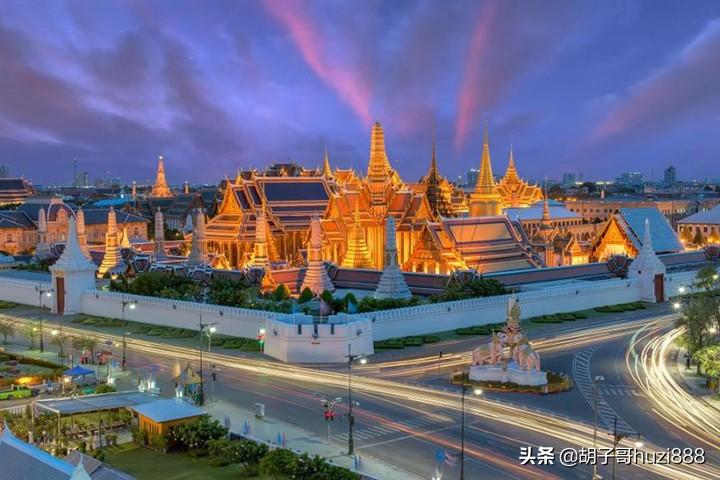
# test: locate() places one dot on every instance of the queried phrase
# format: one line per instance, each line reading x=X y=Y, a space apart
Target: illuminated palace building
x=438 y=228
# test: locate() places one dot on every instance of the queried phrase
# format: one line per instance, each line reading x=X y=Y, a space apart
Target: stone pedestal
x=513 y=374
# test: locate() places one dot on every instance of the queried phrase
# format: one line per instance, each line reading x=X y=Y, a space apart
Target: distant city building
x=568 y=179
x=670 y=176
x=4 y=171
x=82 y=179
x=630 y=179
x=471 y=177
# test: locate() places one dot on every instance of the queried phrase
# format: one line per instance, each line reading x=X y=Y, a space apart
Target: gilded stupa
x=161 y=189
x=485 y=200
x=357 y=254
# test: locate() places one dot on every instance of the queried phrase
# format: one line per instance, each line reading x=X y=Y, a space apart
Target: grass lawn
x=148 y=464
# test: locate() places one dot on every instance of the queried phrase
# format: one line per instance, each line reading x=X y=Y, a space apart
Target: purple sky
x=597 y=87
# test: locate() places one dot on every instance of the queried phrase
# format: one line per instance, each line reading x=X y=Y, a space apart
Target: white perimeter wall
x=237 y=322
x=479 y=311
x=24 y=292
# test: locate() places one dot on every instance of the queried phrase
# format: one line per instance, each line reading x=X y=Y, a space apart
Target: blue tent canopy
x=77 y=370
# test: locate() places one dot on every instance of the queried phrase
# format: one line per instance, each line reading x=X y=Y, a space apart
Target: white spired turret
x=159 y=236
x=316 y=276
x=82 y=236
x=648 y=267
x=42 y=250
x=392 y=283
x=198 y=248
x=72 y=274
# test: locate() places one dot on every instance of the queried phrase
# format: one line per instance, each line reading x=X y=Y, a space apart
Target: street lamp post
x=476 y=391
x=204 y=329
x=48 y=293
x=351 y=418
x=617 y=438
x=132 y=304
x=596 y=380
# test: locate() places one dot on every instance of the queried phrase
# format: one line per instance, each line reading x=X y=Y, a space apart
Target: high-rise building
x=471 y=177
x=670 y=176
x=568 y=179
x=4 y=171
x=630 y=179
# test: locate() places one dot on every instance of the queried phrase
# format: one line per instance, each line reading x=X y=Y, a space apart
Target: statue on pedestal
x=508 y=357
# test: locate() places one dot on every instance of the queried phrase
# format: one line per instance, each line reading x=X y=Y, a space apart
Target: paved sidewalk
x=696 y=383
x=243 y=422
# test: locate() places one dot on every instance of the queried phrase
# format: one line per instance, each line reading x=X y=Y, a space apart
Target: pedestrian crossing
x=621 y=391
x=584 y=382
x=376 y=431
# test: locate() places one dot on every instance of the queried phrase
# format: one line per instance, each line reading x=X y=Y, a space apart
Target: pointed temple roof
x=326 y=170
x=511 y=172
x=160 y=189
x=379 y=164
x=357 y=254
x=485 y=182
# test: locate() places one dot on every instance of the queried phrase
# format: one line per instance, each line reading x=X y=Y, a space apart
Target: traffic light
x=328 y=415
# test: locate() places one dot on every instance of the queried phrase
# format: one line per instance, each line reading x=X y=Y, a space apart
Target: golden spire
x=326 y=171
x=433 y=173
x=486 y=199
x=511 y=172
x=160 y=189
x=379 y=165
x=485 y=182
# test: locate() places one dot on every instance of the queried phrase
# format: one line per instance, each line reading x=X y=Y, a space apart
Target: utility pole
x=351 y=418
x=131 y=304
x=596 y=380
x=462 y=432
x=205 y=329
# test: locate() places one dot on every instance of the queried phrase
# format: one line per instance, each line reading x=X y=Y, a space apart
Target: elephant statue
x=488 y=354
x=526 y=358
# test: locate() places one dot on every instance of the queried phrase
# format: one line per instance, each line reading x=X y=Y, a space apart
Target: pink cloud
x=471 y=97
x=309 y=40
x=688 y=81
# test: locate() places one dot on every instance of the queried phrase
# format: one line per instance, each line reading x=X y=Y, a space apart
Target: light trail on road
x=649 y=369
x=577 y=338
x=571 y=432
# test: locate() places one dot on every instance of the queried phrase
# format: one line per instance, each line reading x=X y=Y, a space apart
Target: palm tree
x=7 y=329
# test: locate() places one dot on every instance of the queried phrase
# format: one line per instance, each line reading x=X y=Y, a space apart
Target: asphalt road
x=407 y=431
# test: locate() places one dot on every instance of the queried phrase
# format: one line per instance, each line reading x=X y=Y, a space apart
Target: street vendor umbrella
x=77 y=371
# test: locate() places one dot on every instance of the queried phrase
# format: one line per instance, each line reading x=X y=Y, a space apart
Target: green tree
x=698 y=239
x=306 y=295
x=59 y=339
x=32 y=332
x=279 y=463
x=696 y=319
x=707 y=278
x=708 y=358
x=7 y=329
x=86 y=344
x=282 y=292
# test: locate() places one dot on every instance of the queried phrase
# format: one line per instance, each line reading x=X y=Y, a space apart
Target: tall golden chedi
x=357 y=254
x=485 y=200
x=112 y=258
x=161 y=189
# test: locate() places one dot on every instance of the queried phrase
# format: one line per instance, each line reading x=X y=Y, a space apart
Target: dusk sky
x=593 y=87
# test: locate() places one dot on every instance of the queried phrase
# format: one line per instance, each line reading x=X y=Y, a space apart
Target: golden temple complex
x=433 y=231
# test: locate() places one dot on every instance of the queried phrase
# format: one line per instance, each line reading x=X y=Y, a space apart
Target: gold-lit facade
x=431 y=235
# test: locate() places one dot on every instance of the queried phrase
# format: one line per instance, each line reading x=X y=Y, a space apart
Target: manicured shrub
x=279 y=463
x=306 y=295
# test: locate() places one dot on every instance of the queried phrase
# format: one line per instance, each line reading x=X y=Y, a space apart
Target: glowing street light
x=681 y=289
x=676 y=305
